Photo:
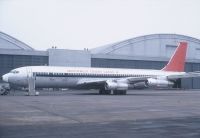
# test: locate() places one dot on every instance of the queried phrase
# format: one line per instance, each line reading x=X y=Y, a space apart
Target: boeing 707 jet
x=106 y=80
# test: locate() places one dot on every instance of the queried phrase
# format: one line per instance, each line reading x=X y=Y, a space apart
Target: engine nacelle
x=110 y=85
x=159 y=83
x=140 y=85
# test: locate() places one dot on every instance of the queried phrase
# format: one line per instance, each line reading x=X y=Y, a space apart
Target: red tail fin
x=177 y=61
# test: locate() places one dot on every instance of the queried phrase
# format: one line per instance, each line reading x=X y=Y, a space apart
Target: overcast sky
x=79 y=24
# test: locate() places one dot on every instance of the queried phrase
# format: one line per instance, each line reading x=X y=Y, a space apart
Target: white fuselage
x=68 y=77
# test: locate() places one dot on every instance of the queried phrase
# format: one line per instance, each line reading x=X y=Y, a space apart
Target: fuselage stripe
x=45 y=74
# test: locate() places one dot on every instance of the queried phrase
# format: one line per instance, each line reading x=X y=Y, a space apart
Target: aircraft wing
x=92 y=82
x=185 y=75
x=100 y=82
x=136 y=79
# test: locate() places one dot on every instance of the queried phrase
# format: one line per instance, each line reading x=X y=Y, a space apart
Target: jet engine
x=111 y=85
x=159 y=83
x=140 y=85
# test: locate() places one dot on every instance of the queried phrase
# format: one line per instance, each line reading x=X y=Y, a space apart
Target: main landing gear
x=119 y=92
x=104 y=92
x=115 y=92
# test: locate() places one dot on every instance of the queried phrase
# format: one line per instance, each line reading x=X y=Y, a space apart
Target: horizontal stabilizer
x=185 y=75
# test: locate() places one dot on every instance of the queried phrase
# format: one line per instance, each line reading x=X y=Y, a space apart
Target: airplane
x=106 y=80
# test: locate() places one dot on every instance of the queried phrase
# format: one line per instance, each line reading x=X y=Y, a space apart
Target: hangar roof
x=9 y=42
x=126 y=46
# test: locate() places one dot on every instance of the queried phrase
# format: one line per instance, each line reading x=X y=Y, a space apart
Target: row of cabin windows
x=88 y=74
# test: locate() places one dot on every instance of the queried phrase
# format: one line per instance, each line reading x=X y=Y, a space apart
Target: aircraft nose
x=5 y=77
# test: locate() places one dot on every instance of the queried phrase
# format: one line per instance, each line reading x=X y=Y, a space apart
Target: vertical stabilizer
x=177 y=61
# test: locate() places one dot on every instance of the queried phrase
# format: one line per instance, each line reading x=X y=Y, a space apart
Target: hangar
x=145 y=52
x=14 y=54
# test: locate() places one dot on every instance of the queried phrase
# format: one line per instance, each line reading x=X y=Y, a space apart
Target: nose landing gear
x=5 y=90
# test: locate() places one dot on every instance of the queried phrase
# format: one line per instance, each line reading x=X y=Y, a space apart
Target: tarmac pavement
x=85 y=114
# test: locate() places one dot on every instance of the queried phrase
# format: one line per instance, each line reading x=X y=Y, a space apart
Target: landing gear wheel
x=104 y=92
x=6 y=92
x=119 y=92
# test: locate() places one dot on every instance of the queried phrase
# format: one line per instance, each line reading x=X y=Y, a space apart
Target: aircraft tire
x=104 y=92
x=119 y=92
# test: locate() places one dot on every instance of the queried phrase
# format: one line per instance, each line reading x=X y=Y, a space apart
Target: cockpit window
x=14 y=71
